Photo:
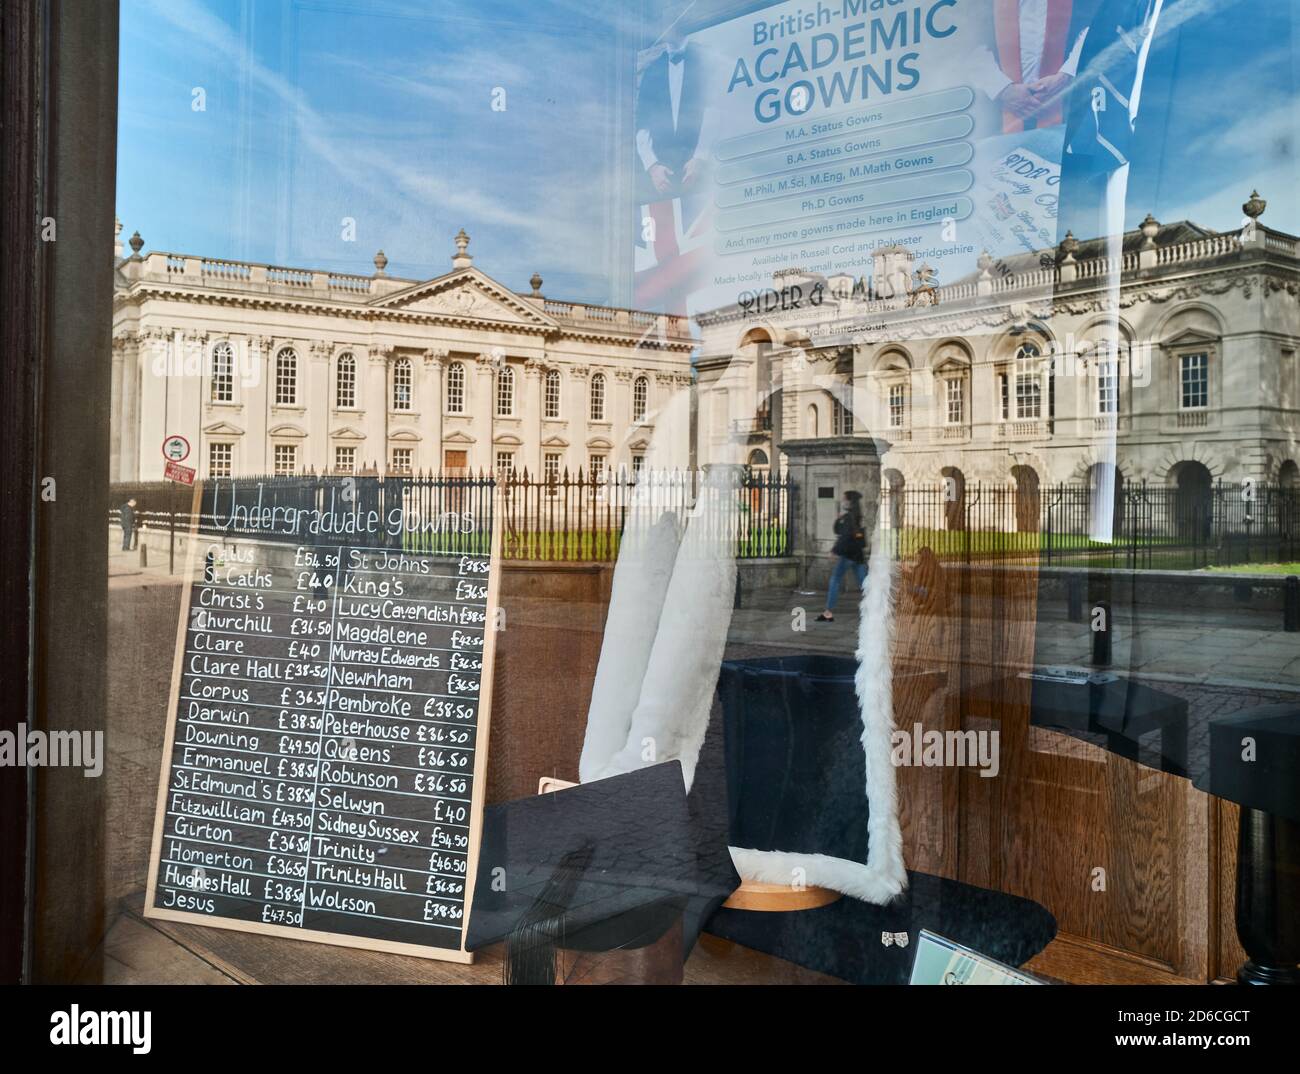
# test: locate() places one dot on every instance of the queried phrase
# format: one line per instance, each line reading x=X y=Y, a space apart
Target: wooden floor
x=140 y=951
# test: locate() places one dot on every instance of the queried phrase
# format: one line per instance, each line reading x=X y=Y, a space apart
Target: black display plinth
x=1254 y=760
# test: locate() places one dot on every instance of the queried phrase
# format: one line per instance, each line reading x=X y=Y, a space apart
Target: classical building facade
x=264 y=369
x=1172 y=361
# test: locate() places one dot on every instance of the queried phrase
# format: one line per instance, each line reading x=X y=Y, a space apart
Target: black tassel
x=532 y=946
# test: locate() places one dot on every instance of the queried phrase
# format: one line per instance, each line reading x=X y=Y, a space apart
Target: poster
x=892 y=143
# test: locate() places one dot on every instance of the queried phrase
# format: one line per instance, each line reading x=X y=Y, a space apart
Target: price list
x=320 y=767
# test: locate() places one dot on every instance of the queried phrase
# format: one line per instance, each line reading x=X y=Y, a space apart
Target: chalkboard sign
x=325 y=756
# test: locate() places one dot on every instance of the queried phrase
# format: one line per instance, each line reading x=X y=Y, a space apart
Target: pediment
x=467 y=294
x=458 y=437
x=555 y=441
x=222 y=428
x=286 y=429
x=508 y=440
x=404 y=435
x=347 y=433
x=1190 y=337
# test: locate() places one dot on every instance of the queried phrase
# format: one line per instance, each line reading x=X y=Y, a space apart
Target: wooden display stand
x=778 y=898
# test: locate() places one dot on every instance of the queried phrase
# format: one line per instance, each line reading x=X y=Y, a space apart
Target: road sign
x=176 y=448
x=174 y=471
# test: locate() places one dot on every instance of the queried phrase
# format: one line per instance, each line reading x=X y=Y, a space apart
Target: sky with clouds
x=317 y=111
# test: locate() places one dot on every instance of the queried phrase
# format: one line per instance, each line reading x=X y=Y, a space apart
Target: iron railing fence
x=1132 y=527
x=581 y=517
x=570 y=517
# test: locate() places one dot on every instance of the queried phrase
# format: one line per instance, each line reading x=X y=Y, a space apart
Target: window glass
x=506 y=392
x=402 y=384
x=553 y=393
x=1195 y=385
x=345 y=396
x=286 y=377
x=721 y=383
x=223 y=377
x=456 y=388
x=953 y=400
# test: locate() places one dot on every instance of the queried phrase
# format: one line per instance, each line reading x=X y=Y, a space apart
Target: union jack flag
x=671 y=251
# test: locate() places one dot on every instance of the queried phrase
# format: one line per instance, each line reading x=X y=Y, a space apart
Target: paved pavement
x=1229 y=649
x=125 y=570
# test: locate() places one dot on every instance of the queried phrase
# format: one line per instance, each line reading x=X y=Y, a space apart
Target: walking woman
x=849 y=549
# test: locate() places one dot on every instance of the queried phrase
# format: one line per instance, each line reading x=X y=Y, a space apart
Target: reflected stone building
x=1018 y=375
x=265 y=369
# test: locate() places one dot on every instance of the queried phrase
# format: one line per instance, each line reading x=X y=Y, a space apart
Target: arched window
x=402 y=384
x=456 y=388
x=223 y=373
x=898 y=405
x=286 y=377
x=841 y=418
x=345 y=381
x=954 y=399
x=640 y=398
x=1107 y=384
x=505 y=392
x=598 y=397
x=1029 y=383
x=553 y=393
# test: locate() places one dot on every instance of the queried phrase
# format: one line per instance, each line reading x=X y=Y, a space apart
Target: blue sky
x=318 y=110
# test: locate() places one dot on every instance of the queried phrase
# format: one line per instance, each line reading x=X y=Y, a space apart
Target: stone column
x=191 y=392
x=253 y=455
x=535 y=398
x=481 y=406
x=152 y=402
x=579 y=416
x=317 y=451
x=618 y=408
x=431 y=405
x=116 y=417
x=375 y=400
x=131 y=377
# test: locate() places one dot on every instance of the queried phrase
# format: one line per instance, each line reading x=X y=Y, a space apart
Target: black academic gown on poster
x=674 y=143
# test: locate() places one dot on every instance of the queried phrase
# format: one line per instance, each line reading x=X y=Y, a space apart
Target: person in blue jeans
x=849 y=551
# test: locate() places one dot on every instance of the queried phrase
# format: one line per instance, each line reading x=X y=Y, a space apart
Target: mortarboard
x=607 y=865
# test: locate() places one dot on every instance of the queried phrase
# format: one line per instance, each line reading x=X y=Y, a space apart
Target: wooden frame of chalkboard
x=479 y=788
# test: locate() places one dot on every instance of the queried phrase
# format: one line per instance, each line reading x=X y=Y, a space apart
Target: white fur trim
x=676 y=696
x=852 y=878
x=875 y=687
x=884 y=876
x=641 y=577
